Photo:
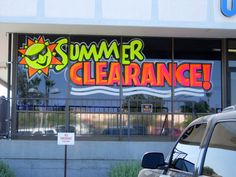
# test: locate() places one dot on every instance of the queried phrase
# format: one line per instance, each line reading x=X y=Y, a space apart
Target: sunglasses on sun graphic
x=36 y=56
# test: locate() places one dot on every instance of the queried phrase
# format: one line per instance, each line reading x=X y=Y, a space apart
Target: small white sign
x=66 y=138
x=146 y=108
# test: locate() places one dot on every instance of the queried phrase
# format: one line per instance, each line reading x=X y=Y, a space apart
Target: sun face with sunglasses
x=38 y=56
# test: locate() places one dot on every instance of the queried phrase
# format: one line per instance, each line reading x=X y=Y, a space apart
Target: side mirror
x=153 y=160
x=182 y=164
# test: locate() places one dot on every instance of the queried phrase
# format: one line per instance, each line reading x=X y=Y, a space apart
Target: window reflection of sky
x=191 y=152
x=58 y=91
x=188 y=146
x=213 y=97
x=221 y=154
x=221 y=161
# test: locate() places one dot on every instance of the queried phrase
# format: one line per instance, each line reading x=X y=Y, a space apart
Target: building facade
x=112 y=72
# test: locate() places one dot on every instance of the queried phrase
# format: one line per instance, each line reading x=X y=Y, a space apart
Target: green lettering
x=82 y=52
x=88 y=53
x=125 y=57
x=74 y=52
x=136 y=47
x=97 y=53
x=109 y=51
x=63 y=55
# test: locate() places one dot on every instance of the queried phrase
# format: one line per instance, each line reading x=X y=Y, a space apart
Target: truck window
x=221 y=153
x=186 y=152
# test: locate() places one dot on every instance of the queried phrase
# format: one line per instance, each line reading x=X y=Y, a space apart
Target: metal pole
x=128 y=119
x=13 y=114
x=9 y=65
x=172 y=88
x=65 y=161
x=121 y=73
x=224 y=74
x=67 y=116
x=8 y=131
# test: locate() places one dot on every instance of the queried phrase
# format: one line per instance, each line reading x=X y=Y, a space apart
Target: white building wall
x=22 y=8
x=146 y=13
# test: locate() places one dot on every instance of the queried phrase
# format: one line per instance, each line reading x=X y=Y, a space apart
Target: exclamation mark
x=206 y=76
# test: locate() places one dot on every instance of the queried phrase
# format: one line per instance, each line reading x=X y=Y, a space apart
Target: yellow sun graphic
x=38 y=56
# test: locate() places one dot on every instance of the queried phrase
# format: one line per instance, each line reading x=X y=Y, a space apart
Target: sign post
x=65 y=139
x=65 y=161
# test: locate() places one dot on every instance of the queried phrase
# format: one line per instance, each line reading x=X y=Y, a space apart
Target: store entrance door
x=232 y=87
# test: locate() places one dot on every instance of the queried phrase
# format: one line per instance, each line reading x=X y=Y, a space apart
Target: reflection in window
x=185 y=154
x=221 y=153
x=198 y=99
x=199 y=51
x=231 y=51
x=197 y=48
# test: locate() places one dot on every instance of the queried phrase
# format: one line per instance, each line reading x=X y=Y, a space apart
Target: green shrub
x=5 y=171
x=128 y=169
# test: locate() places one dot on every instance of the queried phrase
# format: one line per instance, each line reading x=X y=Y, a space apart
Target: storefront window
x=198 y=75
x=94 y=73
x=153 y=86
x=108 y=85
x=41 y=95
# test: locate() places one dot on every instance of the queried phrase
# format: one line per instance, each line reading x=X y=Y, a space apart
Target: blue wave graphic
x=83 y=91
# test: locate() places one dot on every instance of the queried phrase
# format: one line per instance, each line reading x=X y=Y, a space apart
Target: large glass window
x=103 y=83
x=153 y=81
x=198 y=75
x=152 y=87
x=94 y=68
x=221 y=153
x=41 y=91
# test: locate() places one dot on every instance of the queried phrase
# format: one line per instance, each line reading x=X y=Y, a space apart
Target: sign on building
x=146 y=108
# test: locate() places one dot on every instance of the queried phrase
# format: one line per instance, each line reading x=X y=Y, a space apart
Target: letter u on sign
x=228 y=9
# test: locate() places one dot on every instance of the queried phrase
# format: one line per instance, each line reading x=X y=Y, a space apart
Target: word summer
x=146 y=74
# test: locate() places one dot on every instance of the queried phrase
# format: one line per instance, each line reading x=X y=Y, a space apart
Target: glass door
x=232 y=87
x=231 y=72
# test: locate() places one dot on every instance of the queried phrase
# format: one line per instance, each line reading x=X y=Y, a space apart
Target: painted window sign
x=38 y=56
x=228 y=7
x=96 y=68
